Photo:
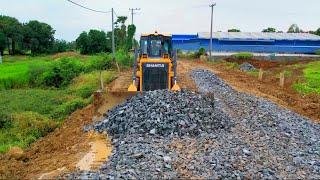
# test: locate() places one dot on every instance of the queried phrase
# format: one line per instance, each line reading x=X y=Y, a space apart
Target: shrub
x=60 y=73
x=124 y=59
x=200 y=52
x=243 y=56
x=317 y=52
x=101 y=62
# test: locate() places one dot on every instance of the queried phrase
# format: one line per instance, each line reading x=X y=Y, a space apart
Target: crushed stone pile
x=162 y=113
x=247 y=67
x=165 y=135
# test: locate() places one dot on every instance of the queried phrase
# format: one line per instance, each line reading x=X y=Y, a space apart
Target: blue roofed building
x=287 y=43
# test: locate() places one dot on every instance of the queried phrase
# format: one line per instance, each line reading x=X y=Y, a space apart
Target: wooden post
x=101 y=82
x=97 y=100
x=260 y=74
x=281 y=79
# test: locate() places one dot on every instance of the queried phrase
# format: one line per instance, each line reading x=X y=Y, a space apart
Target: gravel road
x=162 y=134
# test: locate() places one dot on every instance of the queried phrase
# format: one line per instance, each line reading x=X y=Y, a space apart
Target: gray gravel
x=164 y=113
x=247 y=67
x=241 y=137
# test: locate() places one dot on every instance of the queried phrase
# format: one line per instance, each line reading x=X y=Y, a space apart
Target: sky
x=167 y=16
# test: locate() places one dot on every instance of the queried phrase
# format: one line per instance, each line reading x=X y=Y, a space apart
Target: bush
x=243 y=56
x=124 y=59
x=60 y=73
x=317 y=52
x=100 y=62
x=200 y=52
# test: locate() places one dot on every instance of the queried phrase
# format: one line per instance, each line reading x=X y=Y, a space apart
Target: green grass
x=254 y=73
x=28 y=114
x=14 y=72
x=38 y=93
x=243 y=55
x=311 y=75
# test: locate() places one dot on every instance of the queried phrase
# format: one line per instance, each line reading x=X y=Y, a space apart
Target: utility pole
x=132 y=13
x=113 y=47
x=113 y=43
x=210 y=45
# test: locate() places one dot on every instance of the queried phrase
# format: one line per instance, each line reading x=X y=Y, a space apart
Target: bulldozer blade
x=175 y=87
x=132 y=88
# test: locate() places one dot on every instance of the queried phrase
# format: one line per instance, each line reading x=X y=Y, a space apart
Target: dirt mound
x=66 y=54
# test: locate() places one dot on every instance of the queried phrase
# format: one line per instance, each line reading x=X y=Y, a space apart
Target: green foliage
x=68 y=107
x=62 y=72
x=12 y=30
x=2 y=43
x=190 y=54
x=130 y=36
x=294 y=29
x=39 y=37
x=22 y=122
x=312 y=79
x=93 y=42
x=243 y=56
x=234 y=30
x=317 y=52
x=317 y=32
x=270 y=29
x=85 y=84
x=15 y=75
x=60 y=46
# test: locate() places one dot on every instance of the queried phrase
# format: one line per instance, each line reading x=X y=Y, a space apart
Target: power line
x=115 y=13
x=105 y=12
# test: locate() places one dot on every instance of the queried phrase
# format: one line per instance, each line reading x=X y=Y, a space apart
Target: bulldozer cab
x=156 y=46
x=155 y=64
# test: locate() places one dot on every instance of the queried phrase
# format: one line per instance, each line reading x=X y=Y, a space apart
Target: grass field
x=14 y=72
x=312 y=79
x=30 y=108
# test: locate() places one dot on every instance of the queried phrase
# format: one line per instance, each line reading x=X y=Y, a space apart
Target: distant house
x=292 y=43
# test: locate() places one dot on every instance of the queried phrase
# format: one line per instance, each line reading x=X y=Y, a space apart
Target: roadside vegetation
x=191 y=54
x=311 y=74
x=243 y=56
x=38 y=93
x=40 y=86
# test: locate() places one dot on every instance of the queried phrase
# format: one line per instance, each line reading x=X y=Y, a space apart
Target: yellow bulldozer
x=155 y=64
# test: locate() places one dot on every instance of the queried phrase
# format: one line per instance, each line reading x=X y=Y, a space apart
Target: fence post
x=281 y=79
x=97 y=100
x=260 y=74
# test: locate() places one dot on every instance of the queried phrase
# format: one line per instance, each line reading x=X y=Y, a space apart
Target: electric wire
x=90 y=9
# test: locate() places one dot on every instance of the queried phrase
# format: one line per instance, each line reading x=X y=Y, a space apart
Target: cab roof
x=155 y=34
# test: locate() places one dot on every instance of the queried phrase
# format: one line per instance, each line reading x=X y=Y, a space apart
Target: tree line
x=38 y=38
x=34 y=37
x=294 y=28
x=96 y=41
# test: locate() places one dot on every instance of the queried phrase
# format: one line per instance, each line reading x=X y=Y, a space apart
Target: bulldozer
x=155 y=64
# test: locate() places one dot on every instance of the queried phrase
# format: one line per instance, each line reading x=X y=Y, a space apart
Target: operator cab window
x=155 y=48
x=144 y=46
